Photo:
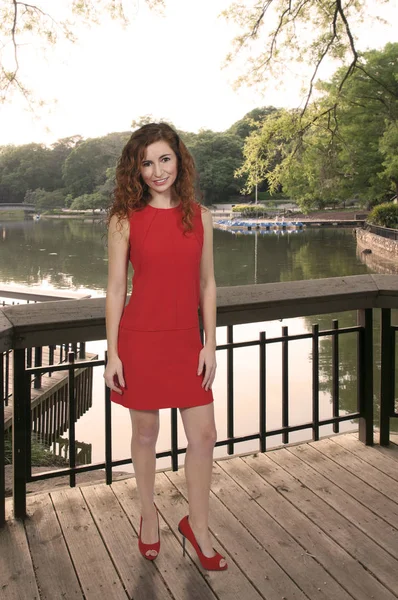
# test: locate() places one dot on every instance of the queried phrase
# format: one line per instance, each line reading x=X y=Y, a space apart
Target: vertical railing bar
x=174 y=440
x=315 y=382
x=19 y=433
x=387 y=375
x=365 y=375
x=285 y=384
x=2 y=446
x=38 y=363
x=230 y=389
x=7 y=376
x=28 y=420
x=72 y=414
x=29 y=357
x=263 y=392
x=335 y=375
x=108 y=431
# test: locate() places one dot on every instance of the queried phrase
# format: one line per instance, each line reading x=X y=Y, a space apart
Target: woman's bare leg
x=145 y=430
x=201 y=434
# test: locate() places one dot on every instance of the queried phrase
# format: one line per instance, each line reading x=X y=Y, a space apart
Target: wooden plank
x=253 y=560
x=97 y=575
x=375 y=501
x=140 y=579
x=359 y=468
x=386 y=465
x=230 y=584
x=391 y=450
x=363 y=518
x=300 y=565
x=180 y=574
x=347 y=571
x=362 y=548
x=53 y=567
x=17 y=578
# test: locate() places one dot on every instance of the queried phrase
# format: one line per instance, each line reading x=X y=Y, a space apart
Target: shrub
x=385 y=215
x=250 y=210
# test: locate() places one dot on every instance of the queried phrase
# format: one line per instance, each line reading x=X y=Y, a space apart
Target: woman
x=155 y=355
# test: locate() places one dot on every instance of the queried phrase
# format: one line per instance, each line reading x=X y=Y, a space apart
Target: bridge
x=19 y=206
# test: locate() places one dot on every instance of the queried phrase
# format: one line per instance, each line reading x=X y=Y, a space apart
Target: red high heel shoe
x=212 y=563
x=143 y=548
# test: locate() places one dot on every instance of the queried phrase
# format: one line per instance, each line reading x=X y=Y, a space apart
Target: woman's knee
x=205 y=436
x=146 y=430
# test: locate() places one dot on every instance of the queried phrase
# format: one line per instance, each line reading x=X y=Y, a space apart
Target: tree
x=217 y=156
x=296 y=31
x=25 y=167
x=327 y=158
x=244 y=127
x=24 y=22
x=86 y=166
x=90 y=202
x=45 y=200
x=388 y=147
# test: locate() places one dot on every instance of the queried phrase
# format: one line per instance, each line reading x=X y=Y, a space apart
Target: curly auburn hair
x=131 y=193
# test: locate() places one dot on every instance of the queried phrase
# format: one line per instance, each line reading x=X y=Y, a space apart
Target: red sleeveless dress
x=159 y=338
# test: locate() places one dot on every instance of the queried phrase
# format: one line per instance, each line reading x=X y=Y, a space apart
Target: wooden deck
x=310 y=521
x=46 y=394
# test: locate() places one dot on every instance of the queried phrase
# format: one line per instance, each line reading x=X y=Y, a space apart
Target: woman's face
x=159 y=167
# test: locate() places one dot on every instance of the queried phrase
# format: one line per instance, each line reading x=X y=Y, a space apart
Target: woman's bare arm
x=208 y=301
x=118 y=252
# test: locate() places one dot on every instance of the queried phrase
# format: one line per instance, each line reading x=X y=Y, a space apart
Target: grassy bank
x=11 y=215
x=41 y=455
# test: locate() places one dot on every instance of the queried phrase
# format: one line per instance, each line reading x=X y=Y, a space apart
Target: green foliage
x=385 y=215
x=86 y=166
x=90 y=202
x=46 y=200
x=343 y=147
x=41 y=455
x=250 y=210
x=388 y=147
x=244 y=127
x=217 y=156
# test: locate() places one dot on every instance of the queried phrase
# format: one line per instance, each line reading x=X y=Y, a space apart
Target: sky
x=168 y=66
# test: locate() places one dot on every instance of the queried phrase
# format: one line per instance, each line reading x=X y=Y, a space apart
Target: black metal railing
x=25 y=376
x=237 y=305
x=386 y=232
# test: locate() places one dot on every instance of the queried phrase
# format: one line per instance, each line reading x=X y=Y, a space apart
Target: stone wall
x=381 y=246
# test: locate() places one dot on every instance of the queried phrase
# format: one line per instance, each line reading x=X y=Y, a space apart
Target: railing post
x=19 y=432
x=108 y=431
x=315 y=382
x=387 y=375
x=263 y=392
x=230 y=388
x=365 y=375
x=285 y=383
x=335 y=374
x=72 y=418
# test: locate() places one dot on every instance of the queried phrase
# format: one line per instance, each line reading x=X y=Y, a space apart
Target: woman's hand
x=207 y=359
x=113 y=375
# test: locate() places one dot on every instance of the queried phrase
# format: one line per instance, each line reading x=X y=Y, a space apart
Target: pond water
x=69 y=254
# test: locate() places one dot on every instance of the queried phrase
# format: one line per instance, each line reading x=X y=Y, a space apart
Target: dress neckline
x=165 y=209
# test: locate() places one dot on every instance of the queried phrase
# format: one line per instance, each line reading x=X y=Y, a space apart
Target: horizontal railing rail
x=386 y=232
x=22 y=327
